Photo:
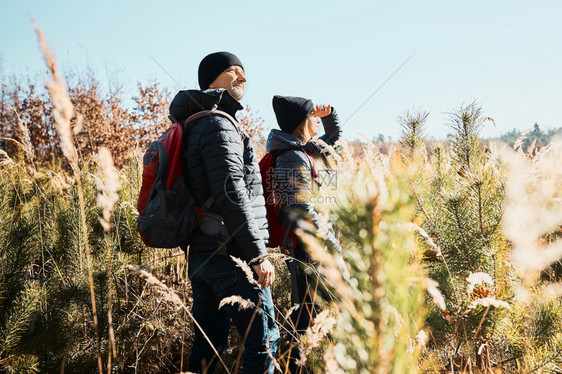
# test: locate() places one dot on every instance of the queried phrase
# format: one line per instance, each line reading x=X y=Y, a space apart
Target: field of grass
x=450 y=263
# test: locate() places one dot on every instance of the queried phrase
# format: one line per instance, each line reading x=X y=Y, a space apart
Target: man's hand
x=322 y=110
x=265 y=272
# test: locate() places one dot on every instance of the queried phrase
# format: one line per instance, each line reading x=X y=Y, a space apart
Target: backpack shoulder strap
x=309 y=156
x=231 y=119
x=216 y=112
x=312 y=163
x=203 y=113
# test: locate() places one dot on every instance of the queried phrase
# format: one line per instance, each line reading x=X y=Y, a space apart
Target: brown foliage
x=31 y=105
x=107 y=120
x=253 y=126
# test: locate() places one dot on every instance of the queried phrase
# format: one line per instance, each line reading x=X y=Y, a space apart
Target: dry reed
x=62 y=112
x=432 y=288
x=169 y=295
x=319 y=329
x=246 y=269
x=237 y=300
x=487 y=302
x=22 y=133
x=533 y=207
x=107 y=187
x=5 y=159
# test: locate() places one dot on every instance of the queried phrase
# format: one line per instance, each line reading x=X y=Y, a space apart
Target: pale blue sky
x=506 y=55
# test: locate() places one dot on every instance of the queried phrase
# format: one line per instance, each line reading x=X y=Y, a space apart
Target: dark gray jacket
x=293 y=171
x=218 y=159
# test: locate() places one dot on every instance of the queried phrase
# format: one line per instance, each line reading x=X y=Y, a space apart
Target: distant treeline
x=535 y=135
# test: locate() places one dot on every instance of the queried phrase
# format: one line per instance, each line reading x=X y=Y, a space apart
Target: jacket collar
x=188 y=102
x=278 y=141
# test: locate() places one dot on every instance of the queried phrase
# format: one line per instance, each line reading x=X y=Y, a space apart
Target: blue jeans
x=212 y=281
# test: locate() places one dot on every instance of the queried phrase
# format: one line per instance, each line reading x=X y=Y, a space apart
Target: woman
x=301 y=165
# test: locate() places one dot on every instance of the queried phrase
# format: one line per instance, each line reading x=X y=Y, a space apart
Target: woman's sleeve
x=332 y=128
x=293 y=182
x=293 y=176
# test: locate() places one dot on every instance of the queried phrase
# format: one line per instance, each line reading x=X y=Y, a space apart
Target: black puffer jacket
x=293 y=172
x=219 y=160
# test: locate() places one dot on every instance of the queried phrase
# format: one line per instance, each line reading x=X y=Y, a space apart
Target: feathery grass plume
x=237 y=300
x=419 y=341
x=320 y=328
x=551 y=291
x=329 y=269
x=106 y=199
x=331 y=364
x=476 y=279
x=291 y=310
x=167 y=293
x=533 y=208
x=5 y=159
x=107 y=187
x=22 y=133
x=532 y=222
x=58 y=181
x=62 y=112
x=276 y=256
x=518 y=144
x=348 y=161
x=488 y=301
x=246 y=269
x=434 y=248
x=63 y=109
x=432 y=288
x=273 y=359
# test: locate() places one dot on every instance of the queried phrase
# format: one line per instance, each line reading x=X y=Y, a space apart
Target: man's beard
x=236 y=92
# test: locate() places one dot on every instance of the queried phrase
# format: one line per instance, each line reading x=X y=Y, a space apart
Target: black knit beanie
x=213 y=65
x=291 y=111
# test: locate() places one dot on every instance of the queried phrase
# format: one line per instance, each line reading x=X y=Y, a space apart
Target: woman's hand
x=322 y=110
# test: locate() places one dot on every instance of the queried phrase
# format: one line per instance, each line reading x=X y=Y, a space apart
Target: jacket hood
x=278 y=141
x=188 y=102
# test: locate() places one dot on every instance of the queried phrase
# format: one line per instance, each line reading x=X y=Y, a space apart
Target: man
x=222 y=173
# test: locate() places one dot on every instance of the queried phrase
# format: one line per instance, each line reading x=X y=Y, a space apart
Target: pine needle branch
x=18 y=318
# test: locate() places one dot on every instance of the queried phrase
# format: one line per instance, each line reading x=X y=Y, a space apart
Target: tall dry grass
x=450 y=263
x=63 y=111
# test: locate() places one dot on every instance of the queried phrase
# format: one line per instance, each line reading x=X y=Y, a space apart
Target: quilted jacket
x=299 y=167
x=218 y=159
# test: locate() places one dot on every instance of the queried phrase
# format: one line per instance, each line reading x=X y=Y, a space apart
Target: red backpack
x=167 y=211
x=278 y=234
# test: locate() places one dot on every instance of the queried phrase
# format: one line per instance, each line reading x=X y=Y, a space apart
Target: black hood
x=188 y=102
